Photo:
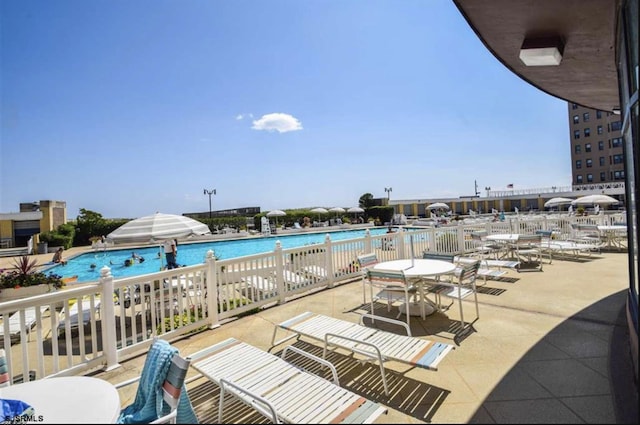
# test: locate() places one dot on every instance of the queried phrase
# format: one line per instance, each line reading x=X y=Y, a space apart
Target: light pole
x=388 y=190
x=209 y=192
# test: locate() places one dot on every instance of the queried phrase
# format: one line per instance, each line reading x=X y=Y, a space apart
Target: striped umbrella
x=158 y=227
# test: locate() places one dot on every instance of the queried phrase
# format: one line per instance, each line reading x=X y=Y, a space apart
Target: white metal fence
x=115 y=319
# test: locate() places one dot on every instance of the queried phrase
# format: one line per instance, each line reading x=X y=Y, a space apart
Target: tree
x=366 y=201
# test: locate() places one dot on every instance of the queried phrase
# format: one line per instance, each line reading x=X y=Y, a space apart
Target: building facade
x=596 y=146
x=34 y=217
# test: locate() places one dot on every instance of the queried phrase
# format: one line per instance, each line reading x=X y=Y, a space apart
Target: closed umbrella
x=276 y=214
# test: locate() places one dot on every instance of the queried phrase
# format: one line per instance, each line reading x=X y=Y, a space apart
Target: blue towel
x=12 y=410
x=149 y=404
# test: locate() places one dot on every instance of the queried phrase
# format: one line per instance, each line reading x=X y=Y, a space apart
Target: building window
x=587 y=147
x=617 y=159
x=589 y=178
x=618 y=175
x=578 y=148
x=589 y=163
x=574 y=106
x=587 y=132
x=579 y=179
x=603 y=176
x=576 y=119
x=616 y=143
x=576 y=134
x=602 y=161
x=585 y=117
x=600 y=129
x=578 y=163
x=600 y=145
x=598 y=114
x=616 y=126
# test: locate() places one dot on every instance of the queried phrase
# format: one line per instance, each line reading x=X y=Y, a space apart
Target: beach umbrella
x=438 y=205
x=276 y=214
x=355 y=210
x=319 y=211
x=594 y=199
x=556 y=202
x=158 y=227
x=337 y=210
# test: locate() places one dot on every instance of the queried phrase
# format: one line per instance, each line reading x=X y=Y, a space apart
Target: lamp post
x=209 y=192
x=388 y=190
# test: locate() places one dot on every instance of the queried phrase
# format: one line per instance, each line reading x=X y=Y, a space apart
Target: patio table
x=613 y=235
x=418 y=269
x=507 y=239
x=67 y=400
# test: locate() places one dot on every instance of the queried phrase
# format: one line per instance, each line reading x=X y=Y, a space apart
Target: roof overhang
x=569 y=45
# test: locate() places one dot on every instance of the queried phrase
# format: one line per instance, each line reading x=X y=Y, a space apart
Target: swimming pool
x=190 y=254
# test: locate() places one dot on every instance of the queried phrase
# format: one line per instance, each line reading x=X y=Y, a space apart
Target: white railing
x=120 y=317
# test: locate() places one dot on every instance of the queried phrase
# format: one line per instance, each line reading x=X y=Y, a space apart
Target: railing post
x=328 y=261
x=211 y=285
x=401 y=250
x=367 y=242
x=462 y=248
x=109 y=341
x=280 y=273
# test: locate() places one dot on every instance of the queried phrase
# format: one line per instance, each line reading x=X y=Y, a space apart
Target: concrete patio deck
x=549 y=347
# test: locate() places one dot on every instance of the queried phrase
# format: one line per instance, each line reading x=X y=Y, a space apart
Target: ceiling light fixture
x=544 y=51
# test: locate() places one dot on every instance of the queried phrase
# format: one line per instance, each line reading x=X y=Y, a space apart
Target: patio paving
x=549 y=347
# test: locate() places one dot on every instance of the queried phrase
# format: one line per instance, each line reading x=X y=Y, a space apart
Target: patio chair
x=374 y=344
x=485 y=248
x=364 y=262
x=5 y=381
x=161 y=395
x=279 y=390
x=393 y=285
x=528 y=249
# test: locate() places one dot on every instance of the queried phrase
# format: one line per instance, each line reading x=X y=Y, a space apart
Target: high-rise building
x=596 y=146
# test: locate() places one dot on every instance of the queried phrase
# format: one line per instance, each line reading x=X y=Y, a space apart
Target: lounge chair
x=375 y=344
x=315 y=272
x=258 y=287
x=15 y=326
x=294 y=280
x=279 y=390
x=72 y=314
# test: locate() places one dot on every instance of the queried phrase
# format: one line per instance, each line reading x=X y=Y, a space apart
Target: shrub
x=25 y=274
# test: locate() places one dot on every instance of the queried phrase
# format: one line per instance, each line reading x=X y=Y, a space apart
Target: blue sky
x=131 y=107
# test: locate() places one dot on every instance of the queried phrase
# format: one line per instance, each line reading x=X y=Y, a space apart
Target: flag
x=510 y=186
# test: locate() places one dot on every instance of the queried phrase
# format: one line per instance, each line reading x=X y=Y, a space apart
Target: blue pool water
x=190 y=254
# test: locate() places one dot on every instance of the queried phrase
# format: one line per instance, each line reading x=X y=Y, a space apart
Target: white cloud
x=277 y=121
x=240 y=117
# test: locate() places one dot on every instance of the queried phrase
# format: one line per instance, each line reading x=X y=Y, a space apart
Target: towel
x=149 y=404
x=14 y=410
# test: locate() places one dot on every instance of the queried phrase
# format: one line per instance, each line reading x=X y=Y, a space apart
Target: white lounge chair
x=15 y=325
x=258 y=288
x=72 y=315
x=279 y=390
x=375 y=344
x=316 y=272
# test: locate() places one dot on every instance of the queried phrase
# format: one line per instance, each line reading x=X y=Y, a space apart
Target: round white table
x=70 y=399
x=503 y=237
x=419 y=268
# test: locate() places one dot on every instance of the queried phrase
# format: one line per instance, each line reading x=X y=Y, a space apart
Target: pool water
x=87 y=266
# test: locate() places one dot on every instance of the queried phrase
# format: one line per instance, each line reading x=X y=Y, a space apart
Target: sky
x=127 y=108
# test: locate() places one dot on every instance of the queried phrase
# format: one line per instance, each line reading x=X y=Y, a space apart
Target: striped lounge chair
x=373 y=343
x=277 y=389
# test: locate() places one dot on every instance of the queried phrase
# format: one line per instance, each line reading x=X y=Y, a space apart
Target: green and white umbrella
x=158 y=227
